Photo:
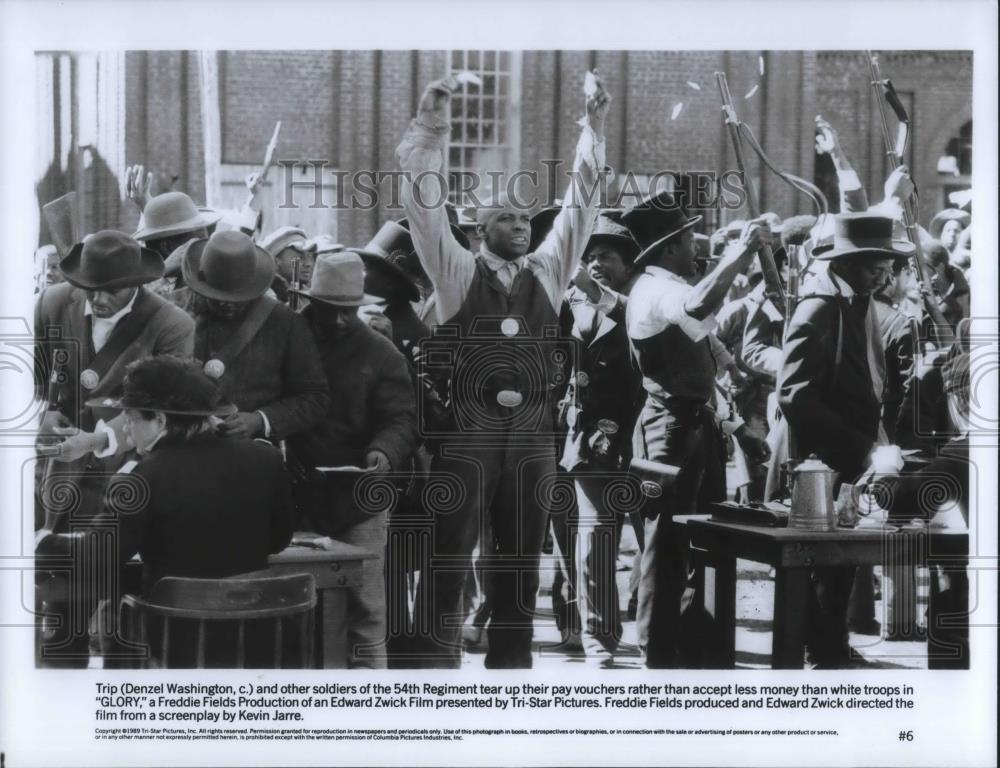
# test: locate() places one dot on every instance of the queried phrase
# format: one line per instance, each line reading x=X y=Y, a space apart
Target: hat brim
x=351 y=302
x=121 y=403
x=150 y=269
x=627 y=243
x=205 y=218
x=943 y=217
x=407 y=289
x=264 y=270
x=900 y=248
x=648 y=251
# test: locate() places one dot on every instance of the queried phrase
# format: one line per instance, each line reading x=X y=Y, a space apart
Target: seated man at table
x=195 y=504
x=371 y=425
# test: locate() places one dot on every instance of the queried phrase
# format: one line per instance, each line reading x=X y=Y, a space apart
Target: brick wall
x=351 y=107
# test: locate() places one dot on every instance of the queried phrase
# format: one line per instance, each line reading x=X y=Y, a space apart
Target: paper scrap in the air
x=760 y=64
x=590 y=84
x=751 y=92
x=692 y=84
x=677 y=110
x=469 y=78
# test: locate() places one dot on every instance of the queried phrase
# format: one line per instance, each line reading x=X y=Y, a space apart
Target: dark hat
x=541 y=225
x=168 y=384
x=108 y=260
x=173 y=213
x=609 y=229
x=654 y=221
x=383 y=276
x=227 y=266
x=339 y=279
x=797 y=229
x=862 y=234
x=943 y=217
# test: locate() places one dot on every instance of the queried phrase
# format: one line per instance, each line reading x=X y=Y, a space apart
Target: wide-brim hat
x=228 y=266
x=339 y=279
x=654 y=221
x=401 y=284
x=123 y=402
x=282 y=238
x=168 y=384
x=943 y=217
x=541 y=225
x=862 y=234
x=109 y=260
x=608 y=229
x=173 y=213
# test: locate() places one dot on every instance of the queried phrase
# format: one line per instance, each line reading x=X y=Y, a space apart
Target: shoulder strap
x=125 y=332
x=251 y=324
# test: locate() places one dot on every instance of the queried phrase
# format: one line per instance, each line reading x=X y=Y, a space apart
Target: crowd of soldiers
x=259 y=385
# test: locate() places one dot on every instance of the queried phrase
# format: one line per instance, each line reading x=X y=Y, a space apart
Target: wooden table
x=335 y=570
x=793 y=553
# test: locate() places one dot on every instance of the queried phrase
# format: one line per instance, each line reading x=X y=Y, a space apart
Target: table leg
x=948 y=618
x=791 y=589
x=333 y=628
x=725 y=610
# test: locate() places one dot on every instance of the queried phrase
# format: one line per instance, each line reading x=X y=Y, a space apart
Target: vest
x=499 y=349
x=673 y=365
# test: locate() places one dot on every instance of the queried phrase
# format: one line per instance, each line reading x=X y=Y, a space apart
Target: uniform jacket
x=832 y=410
x=60 y=325
x=897 y=339
x=278 y=372
x=208 y=507
x=371 y=405
x=605 y=391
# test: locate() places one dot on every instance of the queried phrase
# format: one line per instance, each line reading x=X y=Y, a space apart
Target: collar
x=496 y=263
x=666 y=274
x=88 y=311
x=845 y=290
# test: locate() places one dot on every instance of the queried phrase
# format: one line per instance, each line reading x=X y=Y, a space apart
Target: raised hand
x=138 y=185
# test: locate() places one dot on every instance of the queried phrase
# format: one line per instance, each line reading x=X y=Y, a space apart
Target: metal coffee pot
x=812 y=496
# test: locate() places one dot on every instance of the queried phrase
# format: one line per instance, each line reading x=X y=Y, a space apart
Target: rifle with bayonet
x=772 y=279
x=886 y=93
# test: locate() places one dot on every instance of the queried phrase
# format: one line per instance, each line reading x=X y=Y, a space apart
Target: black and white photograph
x=542 y=398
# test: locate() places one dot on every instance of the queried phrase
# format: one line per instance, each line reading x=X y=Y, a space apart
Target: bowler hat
x=227 y=266
x=609 y=230
x=654 y=221
x=168 y=384
x=338 y=279
x=108 y=260
x=862 y=234
x=943 y=217
x=173 y=213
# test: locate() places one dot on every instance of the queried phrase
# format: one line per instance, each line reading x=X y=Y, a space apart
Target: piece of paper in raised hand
x=694 y=85
x=751 y=92
x=590 y=84
x=469 y=78
x=677 y=110
x=760 y=64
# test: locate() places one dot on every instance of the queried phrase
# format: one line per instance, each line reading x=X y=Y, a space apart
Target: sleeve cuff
x=694 y=329
x=112 y=447
x=267 y=424
x=729 y=426
x=590 y=149
x=421 y=135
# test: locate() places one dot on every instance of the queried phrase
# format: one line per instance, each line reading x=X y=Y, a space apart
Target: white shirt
x=657 y=301
x=101 y=327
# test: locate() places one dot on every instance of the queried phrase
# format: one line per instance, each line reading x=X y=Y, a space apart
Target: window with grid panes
x=483 y=124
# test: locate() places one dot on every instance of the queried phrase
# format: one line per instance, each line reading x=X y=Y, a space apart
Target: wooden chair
x=214 y=602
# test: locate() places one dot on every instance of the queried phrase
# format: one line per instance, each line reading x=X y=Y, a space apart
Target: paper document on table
x=345 y=470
